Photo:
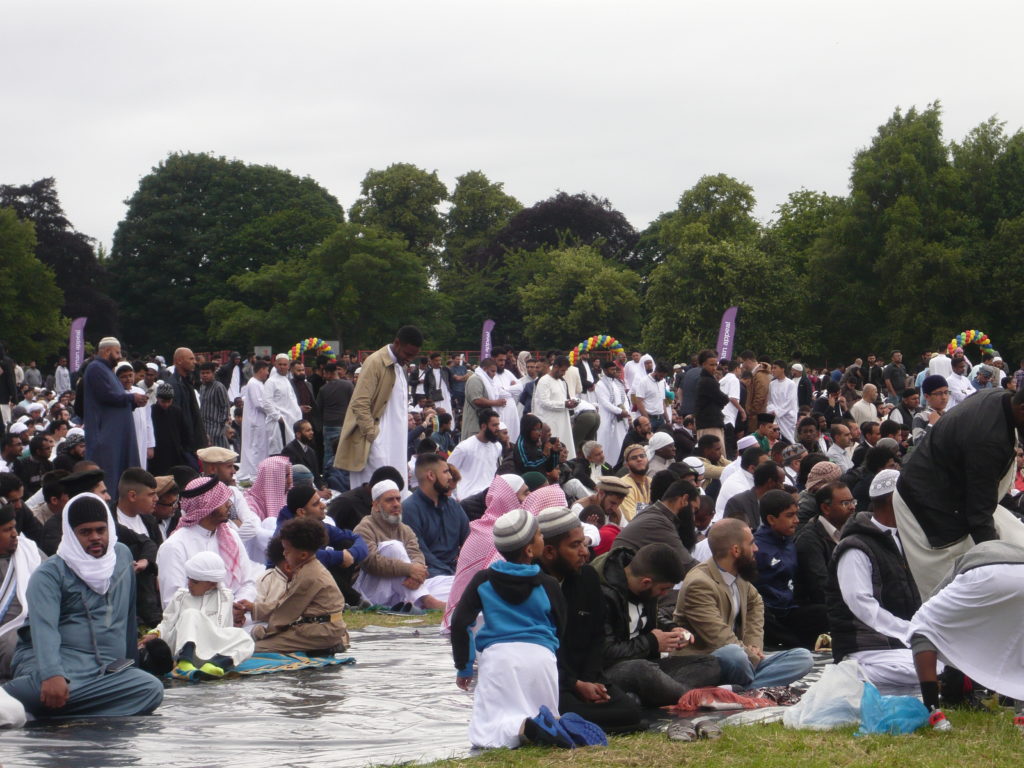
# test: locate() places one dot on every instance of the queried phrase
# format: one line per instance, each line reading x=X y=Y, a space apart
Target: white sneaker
x=12 y=713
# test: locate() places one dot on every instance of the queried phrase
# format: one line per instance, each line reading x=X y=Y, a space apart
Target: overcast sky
x=630 y=100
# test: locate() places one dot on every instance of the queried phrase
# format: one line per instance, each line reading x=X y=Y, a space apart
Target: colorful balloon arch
x=970 y=337
x=594 y=342
x=312 y=346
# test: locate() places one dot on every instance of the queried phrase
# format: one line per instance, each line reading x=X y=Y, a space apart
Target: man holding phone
x=76 y=651
x=553 y=405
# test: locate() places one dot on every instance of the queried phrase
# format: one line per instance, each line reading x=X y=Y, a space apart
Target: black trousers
x=795 y=628
x=619 y=715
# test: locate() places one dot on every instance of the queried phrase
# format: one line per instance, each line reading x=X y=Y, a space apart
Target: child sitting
x=272 y=583
x=198 y=623
x=307 y=617
x=524 y=610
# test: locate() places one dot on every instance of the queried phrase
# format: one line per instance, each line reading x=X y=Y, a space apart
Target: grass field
x=979 y=740
x=357 y=619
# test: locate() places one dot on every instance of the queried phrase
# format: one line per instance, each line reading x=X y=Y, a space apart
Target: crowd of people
x=629 y=530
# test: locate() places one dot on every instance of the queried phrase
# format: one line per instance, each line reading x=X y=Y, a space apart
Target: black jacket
x=300 y=453
x=350 y=507
x=950 y=480
x=618 y=646
x=581 y=649
x=814 y=548
x=185 y=398
x=332 y=401
x=655 y=525
x=579 y=469
x=710 y=402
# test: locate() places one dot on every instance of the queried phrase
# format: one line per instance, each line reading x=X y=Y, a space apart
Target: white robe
x=977 y=623
x=24 y=561
x=389 y=590
x=249 y=527
x=738 y=482
x=782 y=401
x=549 y=396
x=206 y=621
x=279 y=404
x=254 y=430
x=630 y=371
x=391 y=448
x=185 y=542
x=508 y=387
x=145 y=437
x=478 y=463
x=235 y=385
x=610 y=395
x=431 y=379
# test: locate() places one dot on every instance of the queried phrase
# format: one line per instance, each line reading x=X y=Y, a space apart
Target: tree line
x=221 y=254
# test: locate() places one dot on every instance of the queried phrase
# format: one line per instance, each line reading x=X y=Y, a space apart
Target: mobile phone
x=553 y=441
x=119 y=665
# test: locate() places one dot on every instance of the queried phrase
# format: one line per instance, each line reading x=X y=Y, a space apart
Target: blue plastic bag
x=889 y=714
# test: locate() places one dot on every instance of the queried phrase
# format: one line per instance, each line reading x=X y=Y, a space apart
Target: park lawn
x=979 y=740
x=357 y=619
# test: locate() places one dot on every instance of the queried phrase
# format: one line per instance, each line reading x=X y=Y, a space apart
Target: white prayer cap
x=382 y=487
x=108 y=341
x=36 y=407
x=206 y=566
x=797 y=367
x=17 y=428
x=515 y=482
x=122 y=366
x=74 y=431
x=659 y=440
x=160 y=359
x=501 y=426
x=23 y=419
x=884 y=483
x=359 y=370
x=747 y=441
x=695 y=464
x=153 y=367
x=281 y=356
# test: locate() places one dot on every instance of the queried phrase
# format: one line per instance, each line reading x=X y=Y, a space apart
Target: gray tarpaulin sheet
x=397 y=703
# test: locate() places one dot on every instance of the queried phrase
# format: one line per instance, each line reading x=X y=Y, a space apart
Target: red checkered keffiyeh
x=478 y=550
x=544 y=497
x=270 y=490
x=199 y=500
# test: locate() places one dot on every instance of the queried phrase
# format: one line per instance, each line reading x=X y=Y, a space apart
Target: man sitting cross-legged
x=74 y=653
x=631 y=583
x=582 y=686
x=395 y=570
x=724 y=611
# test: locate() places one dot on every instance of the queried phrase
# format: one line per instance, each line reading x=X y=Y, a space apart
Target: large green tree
x=195 y=222
x=358 y=286
x=69 y=253
x=30 y=301
x=580 y=293
x=405 y=200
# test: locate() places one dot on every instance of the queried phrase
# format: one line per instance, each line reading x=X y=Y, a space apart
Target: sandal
x=681 y=730
x=709 y=729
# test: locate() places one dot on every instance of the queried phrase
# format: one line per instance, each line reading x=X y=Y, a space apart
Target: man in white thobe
x=434 y=379
x=613 y=408
x=477 y=458
x=255 y=442
x=782 y=401
x=632 y=369
x=509 y=388
x=19 y=557
x=552 y=404
x=280 y=405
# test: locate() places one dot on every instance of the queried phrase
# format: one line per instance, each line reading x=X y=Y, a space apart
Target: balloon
x=603 y=341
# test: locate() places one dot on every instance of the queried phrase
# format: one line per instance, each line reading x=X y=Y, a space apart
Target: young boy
x=273 y=582
x=786 y=623
x=198 y=623
x=307 y=618
x=524 y=613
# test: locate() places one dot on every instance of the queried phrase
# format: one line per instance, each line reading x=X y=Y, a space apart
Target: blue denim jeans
x=780 y=668
x=330 y=435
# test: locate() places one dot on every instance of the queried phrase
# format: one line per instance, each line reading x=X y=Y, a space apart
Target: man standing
x=711 y=399
x=232 y=376
x=960 y=387
x=108 y=412
x=185 y=397
x=757 y=389
x=552 y=404
x=649 y=395
x=62 y=377
x=82 y=626
x=477 y=458
x=213 y=405
x=255 y=440
x=436 y=383
x=894 y=377
x=376 y=428
x=508 y=389
x=481 y=394
x=613 y=409
x=332 y=402
x=280 y=404
x=782 y=400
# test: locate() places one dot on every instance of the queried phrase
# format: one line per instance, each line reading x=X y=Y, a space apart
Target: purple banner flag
x=727 y=334
x=76 y=343
x=485 y=339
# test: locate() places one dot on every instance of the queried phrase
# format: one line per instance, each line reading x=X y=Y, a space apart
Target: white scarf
x=23 y=563
x=94 y=571
x=235 y=386
x=489 y=384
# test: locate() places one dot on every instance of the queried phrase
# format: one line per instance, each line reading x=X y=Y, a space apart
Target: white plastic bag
x=831 y=702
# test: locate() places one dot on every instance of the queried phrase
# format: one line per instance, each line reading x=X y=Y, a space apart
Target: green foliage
x=30 y=300
x=358 y=286
x=404 y=199
x=578 y=294
x=195 y=222
x=480 y=209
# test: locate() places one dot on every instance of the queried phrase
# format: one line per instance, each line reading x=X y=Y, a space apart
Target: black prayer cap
x=82 y=482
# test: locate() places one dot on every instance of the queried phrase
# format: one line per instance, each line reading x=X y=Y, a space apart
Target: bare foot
x=431 y=603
